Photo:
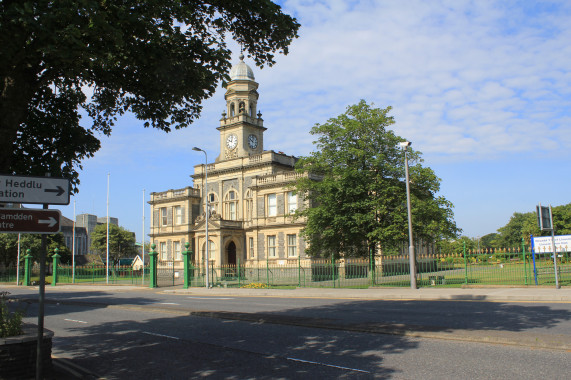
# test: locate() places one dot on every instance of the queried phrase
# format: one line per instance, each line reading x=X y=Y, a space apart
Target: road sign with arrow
x=22 y=220
x=29 y=189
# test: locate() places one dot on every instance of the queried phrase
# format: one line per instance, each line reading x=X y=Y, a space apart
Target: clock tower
x=241 y=128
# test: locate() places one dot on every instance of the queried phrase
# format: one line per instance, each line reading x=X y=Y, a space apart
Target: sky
x=481 y=88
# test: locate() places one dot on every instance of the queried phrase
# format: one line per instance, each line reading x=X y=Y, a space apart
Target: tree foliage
x=360 y=200
x=157 y=59
x=121 y=242
x=522 y=225
x=9 y=247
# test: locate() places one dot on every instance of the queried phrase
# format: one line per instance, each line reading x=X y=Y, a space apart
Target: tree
x=8 y=249
x=450 y=246
x=121 y=242
x=360 y=201
x=157 y=59
x=522 y=225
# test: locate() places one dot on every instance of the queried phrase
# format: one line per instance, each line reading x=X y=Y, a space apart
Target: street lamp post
x=205 y=192
x=412 y=257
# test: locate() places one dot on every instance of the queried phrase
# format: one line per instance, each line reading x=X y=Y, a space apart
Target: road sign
x=544 y=220
x=543 y=244
x=29 y=189
x=22 y=220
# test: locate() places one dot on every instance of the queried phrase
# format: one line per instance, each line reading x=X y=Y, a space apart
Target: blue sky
x=481 y=88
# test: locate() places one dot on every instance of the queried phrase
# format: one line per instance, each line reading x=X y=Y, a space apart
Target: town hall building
x=247 y=189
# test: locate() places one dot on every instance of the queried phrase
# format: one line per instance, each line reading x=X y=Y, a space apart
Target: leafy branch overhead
x=360 y=202
x=156 y=59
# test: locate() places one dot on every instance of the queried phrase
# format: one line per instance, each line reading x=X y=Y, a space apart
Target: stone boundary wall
x=18 y=354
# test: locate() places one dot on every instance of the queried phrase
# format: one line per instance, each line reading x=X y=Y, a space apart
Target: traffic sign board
x=29 y=189
x=23 y=220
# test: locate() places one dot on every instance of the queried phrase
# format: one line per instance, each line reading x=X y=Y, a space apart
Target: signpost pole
x=557 y=286
x=39 y=350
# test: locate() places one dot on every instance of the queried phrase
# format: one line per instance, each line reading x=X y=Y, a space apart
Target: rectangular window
x=163 y=250
x=251 y=246
x=164 y=219
x=178 y=215
x=291 y=245
x=291 y=202
x=272 y=205
x=272 y=246
x=176 y=247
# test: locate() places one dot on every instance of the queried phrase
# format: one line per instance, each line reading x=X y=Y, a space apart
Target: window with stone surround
x=272 y=205
x=272 y=246
x=231 y=205
x=291 y=245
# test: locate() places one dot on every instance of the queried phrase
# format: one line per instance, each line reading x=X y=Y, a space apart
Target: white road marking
x=161 y=335
x=328 y=365
x=210 y=298
x=168 y=303
x=74 y=320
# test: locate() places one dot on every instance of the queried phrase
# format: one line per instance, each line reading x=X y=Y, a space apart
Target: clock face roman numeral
x=252 y=141
x=232 y=141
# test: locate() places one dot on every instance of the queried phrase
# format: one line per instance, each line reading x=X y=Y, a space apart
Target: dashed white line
x=74 y=320
x=161 y=335
x=328 y=365
x=210 y=298
x=168 y=303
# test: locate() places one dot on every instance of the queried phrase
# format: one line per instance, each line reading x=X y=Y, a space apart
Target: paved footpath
x=529 y=294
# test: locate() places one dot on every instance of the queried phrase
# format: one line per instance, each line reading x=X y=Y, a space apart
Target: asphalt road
x=156 y=335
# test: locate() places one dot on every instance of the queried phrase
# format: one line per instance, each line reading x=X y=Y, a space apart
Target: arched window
x=231 y=205
x=248 y=205
x=211 y=251
x=212 y=203
x=242 y=107
x=232 y=109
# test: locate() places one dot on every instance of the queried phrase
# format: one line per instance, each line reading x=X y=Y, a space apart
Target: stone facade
x=249 y=200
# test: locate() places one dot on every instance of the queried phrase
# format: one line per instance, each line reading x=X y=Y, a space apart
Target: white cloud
x=469 y=81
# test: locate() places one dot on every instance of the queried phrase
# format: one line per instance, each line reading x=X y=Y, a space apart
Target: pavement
x=527 y=294
x=532 y=294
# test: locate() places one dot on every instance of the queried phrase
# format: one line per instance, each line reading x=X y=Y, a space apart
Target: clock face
x=232 y=141
x=252 y=141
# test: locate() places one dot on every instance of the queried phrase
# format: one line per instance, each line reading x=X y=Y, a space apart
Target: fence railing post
x=465 y=265
x=267 y=271
x=186 y=259
x=27 y=259
x=153 y=267
x=298 y=270
x=524 y=261
x=55 y=257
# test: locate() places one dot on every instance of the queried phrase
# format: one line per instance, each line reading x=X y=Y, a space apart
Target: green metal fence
x=506 y=267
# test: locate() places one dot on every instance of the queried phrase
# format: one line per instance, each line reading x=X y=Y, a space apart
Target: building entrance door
x=232 y=254
x=231 y=269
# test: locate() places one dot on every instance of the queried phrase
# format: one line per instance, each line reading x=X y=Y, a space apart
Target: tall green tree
x=121 y=242
x=360 y=200
x=158 y=59
x=522 y=225
x=8 y=249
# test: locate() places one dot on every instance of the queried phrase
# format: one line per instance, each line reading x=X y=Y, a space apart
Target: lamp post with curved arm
x=205 y=192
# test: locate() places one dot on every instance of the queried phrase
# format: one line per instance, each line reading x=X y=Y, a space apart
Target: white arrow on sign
x=51 y=222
